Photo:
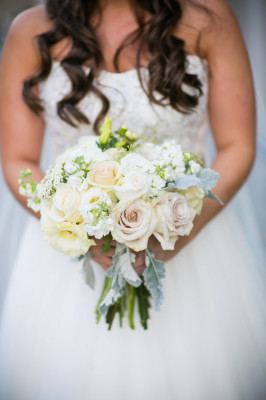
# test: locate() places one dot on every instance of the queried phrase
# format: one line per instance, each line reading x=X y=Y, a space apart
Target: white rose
x=133 y=186
x=134 y=161
x=174 y=219
x=134 y=223
x=150 y=151
x=66 y=237
x=104 y=174
x=64 y=204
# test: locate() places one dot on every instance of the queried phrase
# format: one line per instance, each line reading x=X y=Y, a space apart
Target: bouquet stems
x=126 y=303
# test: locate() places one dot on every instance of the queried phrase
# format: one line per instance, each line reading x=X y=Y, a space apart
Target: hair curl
x=167 y=65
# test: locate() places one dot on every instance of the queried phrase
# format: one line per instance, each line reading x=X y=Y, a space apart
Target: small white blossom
x=194 y=166
x=156 y=186
x=103 y=228
x=70 y=167
x=34 y=204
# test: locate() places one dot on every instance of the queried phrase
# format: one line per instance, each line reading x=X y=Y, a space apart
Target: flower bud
x=106 y=131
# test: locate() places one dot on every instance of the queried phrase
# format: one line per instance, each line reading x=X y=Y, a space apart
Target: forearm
x=233 y=164
x=11 y=171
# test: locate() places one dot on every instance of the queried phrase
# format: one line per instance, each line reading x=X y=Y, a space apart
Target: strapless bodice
x=129 y=106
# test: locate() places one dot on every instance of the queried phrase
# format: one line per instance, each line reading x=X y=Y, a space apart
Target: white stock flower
x=157 y=185
x=34 y=204
x=174 y=219
x=70 y=167
x=95 y=209
x=134 y=185
x=134 y=223
x=195 y=167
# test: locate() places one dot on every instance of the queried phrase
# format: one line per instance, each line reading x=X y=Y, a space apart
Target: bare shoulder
x=21 y=39
x=208 y=24
x=30 y=22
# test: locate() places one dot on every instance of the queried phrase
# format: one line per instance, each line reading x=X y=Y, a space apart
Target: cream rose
x=64 y=204
x=104 y=174
x=66 y=237
x=134 y=223
x=174 y=219
x=133 y=186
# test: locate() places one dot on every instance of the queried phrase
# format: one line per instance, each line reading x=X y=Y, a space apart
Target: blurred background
x=251 y=15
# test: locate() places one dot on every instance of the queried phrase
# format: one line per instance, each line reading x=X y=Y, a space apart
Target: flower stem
x=106 y=287
x=131 y=296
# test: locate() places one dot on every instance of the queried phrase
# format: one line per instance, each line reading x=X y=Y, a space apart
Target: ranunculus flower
x=195 y=196
x=104 y=174
x=133 y=186
x=64 y=204
x=134 y=223
x=66 y=237
x=174 y=219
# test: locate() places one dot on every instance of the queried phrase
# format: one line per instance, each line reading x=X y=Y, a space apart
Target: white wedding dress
x=208 y=340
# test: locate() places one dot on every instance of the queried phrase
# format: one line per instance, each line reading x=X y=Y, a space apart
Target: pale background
x=251 y=15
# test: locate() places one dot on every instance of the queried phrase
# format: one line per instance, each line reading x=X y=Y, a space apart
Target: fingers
x=139 y=264
x=103 y=261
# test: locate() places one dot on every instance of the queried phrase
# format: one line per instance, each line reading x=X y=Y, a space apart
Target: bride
x=166 y=68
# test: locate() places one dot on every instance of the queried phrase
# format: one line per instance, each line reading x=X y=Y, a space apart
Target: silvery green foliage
x=153 y=275
x=88 y=271
x=208 y=178
x=205 y=179
x=214 y=197
x=121 y=272
x=185 y=182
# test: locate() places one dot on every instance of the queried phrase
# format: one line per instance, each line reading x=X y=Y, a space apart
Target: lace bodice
x=129 y=106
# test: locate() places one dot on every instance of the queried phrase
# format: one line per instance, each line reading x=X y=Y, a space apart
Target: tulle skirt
x=206 y=343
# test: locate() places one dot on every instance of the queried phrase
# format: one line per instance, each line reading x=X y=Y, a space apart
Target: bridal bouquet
x=120 y=187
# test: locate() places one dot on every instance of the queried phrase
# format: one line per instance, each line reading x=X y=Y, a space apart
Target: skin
x=231 y=99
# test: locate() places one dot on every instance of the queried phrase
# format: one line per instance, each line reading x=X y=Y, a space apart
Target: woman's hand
x=105 y=260
x=166 y=255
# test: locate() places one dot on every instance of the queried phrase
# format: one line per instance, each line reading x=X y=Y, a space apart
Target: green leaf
x=153 y=275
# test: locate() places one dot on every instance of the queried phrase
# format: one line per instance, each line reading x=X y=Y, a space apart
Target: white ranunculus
x=174 y=219
x=66 y=237
x=150 y=151
x=133 y=186
x=134 y=161
x=64 y=204
x=195 y=196
x=134 y=223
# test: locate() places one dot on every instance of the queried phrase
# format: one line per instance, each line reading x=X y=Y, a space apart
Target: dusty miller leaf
x=121 y=272
x=214 y=197
x=88 y=272
x=208 y=178
x=153 y=275
x=184 y=182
